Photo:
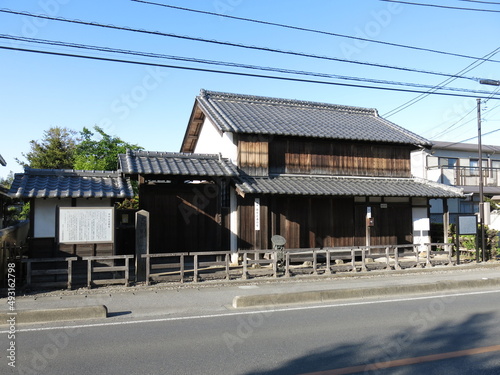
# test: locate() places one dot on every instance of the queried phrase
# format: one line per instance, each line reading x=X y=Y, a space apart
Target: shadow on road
x=418 y=340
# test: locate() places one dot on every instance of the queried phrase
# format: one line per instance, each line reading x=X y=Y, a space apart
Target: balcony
x=464 y=176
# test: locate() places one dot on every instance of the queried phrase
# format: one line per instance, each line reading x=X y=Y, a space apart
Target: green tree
x=55 y=151
x=100 y=154
x=7 y=181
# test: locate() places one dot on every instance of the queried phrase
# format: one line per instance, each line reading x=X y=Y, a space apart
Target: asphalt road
x=457 y=333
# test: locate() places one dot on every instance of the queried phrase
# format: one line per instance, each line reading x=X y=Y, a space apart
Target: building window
x=448 y=162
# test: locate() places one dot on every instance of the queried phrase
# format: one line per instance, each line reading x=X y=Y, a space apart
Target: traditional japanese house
x=320 y=175
x=48 y=189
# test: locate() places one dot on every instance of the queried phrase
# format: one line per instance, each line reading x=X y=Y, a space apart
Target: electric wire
x=481 y=2
x=467 y=69
x=306 y=29
x=464 y=116
x=223 y=63
x=457 y=94
x=441 y=6
x=231 y=44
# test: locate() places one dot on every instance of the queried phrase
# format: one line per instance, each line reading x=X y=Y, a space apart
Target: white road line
x=267 y=311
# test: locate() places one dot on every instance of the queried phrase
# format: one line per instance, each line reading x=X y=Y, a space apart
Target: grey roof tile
x=346 y=186
x=173 y=163
x=59 y=183
x=271 y=116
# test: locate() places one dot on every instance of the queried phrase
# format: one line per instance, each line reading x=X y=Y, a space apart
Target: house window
x=474 y=166
x=448 y=162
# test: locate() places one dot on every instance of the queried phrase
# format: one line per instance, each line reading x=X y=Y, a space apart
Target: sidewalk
x=211 y=297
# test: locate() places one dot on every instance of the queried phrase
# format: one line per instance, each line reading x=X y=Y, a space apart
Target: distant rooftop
x=456 y=146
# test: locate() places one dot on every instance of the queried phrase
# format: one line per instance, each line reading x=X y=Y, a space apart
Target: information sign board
x=86 y=225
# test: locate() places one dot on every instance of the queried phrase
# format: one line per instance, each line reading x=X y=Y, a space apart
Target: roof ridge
x=184 y=155
x=293 y=102
x=70 y=172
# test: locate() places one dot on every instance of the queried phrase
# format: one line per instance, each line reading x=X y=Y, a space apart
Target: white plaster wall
x=45 y=213
x=211 y=141
x=420 y=237
x=417 y=163
x=495 y=221
x=45 y=216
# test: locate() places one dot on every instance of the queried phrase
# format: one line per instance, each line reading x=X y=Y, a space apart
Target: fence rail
x=107 y=264
x=52 y=274
x=179 y=267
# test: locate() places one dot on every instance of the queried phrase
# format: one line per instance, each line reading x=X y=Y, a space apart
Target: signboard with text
x=78 y=225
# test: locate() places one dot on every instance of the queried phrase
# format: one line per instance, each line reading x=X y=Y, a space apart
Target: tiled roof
x=2 y=161
x=173 y=163
x=59 y=183
x=271 y=116
x=346 y=186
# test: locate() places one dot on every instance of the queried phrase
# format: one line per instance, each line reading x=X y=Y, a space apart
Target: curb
x=42 y=316
x=336 y=294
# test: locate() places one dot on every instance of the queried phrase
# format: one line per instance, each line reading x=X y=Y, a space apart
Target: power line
x=481 y=2
x=239 y=45
x=442 y=6
x=467 y=69
x=241 y=73
x=306 y=29
x=485 y=134
x=223 y=63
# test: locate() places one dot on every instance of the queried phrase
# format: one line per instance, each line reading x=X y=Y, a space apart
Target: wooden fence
x=107 y=265
x=257 y=263
x=199 y=266
x=10 y=253
x=47 y=272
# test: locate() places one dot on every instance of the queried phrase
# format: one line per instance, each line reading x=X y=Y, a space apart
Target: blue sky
x=151 y=106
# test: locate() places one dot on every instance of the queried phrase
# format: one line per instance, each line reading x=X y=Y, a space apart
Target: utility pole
x=481 y=182
x=491 y=82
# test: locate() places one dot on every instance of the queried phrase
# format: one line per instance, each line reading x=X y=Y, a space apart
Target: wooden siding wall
x=298 y=156
x=253 y=156
x=183 y=218
x=309 y=222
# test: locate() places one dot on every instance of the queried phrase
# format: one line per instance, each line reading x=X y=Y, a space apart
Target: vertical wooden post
x=70 y=271
x=195 y=275
x=315 y=262
x=182 y=267
x=148 y=268
x=127 y=271
x=244 y=276
x=228 y=277
x=363 y=260
x=429 y=249
x=287 y=264
x=396 y=258
x=28 y=272
x=89 y=273
x=141 y=244
x=353 y=260
x=328 y=270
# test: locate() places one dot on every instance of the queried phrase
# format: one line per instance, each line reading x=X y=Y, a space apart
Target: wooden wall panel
x=299 y=156
x=315 y=222
x=253 y=156
x=183 y=219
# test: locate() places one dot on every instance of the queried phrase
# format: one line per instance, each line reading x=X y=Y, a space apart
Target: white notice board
x=86 y=225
